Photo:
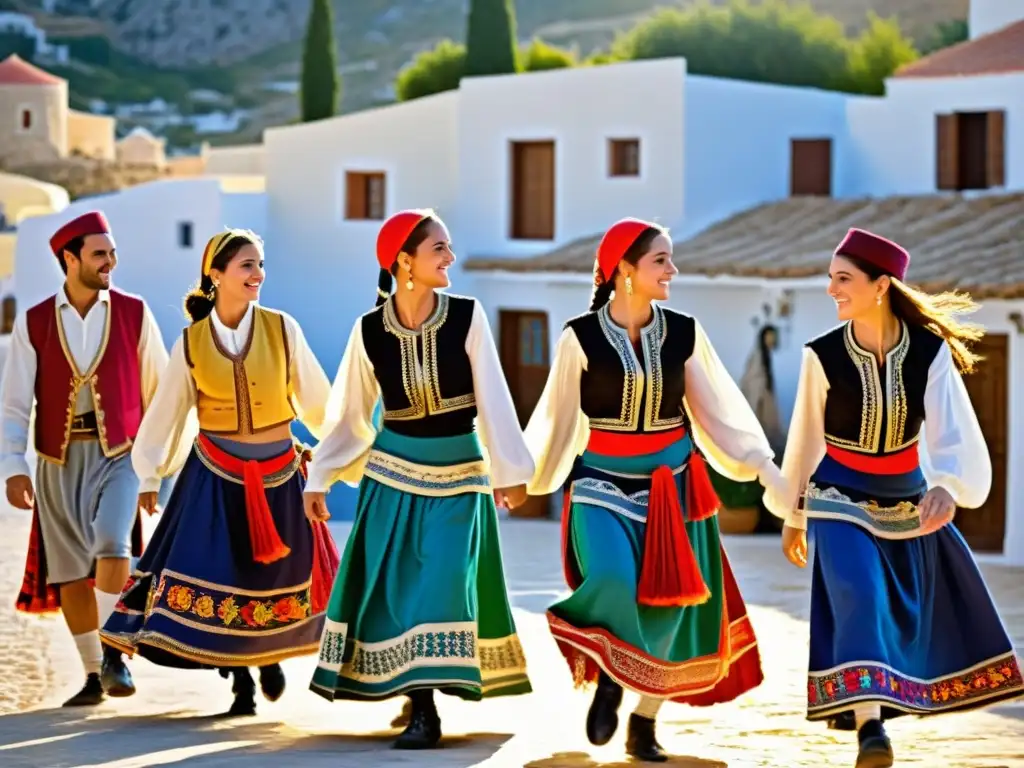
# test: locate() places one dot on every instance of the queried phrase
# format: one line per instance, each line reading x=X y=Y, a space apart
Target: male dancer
x=88 y=358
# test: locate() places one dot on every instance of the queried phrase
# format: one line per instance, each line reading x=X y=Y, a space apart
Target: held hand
x=794 y=546
x=315 y=504
x=510 y=497
x=148 y=502
x=936 y=509
x=20 y=493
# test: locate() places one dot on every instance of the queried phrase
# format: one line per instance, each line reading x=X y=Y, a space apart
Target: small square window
x=184 y=234
x=365 y=195
x=624 y=157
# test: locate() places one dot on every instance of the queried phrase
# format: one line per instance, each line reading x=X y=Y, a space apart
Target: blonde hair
x=939 y=313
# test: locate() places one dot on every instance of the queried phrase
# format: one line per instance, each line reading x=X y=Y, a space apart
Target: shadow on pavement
x=583 y=760
x=60 y=738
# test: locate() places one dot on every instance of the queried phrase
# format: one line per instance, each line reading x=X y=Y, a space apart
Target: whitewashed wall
x=580 y=110
x=893 y=142
x=989 y=15
x=145 y=222
x=332 y=274
x=737 y=143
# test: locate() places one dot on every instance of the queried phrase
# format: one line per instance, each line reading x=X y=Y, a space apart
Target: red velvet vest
x=114 y=376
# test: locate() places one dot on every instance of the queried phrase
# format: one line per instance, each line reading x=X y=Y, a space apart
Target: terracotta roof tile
x=14 y=70
x=998 y=52
x=974 y=244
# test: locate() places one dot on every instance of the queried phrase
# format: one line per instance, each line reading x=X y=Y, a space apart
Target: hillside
x=252 y=47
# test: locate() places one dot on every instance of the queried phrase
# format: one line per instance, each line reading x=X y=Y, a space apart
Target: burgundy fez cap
x=889 y=257
x=91 y=223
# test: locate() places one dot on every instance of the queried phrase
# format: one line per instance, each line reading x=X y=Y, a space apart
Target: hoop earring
x=629 y=285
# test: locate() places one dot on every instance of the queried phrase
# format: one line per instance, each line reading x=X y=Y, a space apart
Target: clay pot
x=738 y=520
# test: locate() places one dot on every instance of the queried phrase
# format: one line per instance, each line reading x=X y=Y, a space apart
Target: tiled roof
x=974 y=244
x=14 y=70
x=998 y=52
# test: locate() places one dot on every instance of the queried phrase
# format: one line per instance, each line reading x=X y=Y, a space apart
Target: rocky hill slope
x=258 y=42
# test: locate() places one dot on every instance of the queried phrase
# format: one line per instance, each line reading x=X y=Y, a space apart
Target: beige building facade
x=33 y=112
x=91 y=135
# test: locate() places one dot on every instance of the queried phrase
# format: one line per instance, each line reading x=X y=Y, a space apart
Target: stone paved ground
x=171 y=722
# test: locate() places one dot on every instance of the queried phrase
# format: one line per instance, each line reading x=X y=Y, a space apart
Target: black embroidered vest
x=634 y=390
x=425 y=376
x=871 y=409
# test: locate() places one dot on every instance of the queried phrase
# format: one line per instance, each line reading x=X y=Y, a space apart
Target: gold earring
x=878 y=300
x=629 y=285
x=408 y=283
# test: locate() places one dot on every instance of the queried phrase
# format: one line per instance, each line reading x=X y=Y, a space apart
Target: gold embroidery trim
x=242 y=405
x=635 y=382
x=874 y=399
x=422 y=382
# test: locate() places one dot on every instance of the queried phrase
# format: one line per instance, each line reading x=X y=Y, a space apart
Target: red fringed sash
x=263 y=536
x=670 y=574
x=325 y=557
x=263 y=533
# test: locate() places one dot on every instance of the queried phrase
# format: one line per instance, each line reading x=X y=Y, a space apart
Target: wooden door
x=525 y=359
x=810 y=167
x=533 y=190
x=985 y=528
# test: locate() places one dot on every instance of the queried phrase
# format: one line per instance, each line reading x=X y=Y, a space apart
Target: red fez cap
x=395 y=231
x=91 y=223
x=889 y=257
x=616 y=241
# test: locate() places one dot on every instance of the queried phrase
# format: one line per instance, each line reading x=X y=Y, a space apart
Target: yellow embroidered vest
x=244 y=394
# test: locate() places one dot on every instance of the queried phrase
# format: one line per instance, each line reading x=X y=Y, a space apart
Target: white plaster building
x=158 y=255
x=527 y=170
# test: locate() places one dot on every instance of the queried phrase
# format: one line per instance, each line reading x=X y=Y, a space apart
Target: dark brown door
x=810 y=171
x=533 y=190
x=525 y=359
x=984 y=528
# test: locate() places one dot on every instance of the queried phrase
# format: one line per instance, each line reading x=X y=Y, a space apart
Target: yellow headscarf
x=218 y=241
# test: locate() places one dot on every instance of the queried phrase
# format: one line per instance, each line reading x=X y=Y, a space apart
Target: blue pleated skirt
x=197 y=598
x=898 y=619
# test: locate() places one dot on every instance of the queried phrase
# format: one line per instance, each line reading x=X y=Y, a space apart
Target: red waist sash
x=670 y=574
x=267 y=545
x=898 y=463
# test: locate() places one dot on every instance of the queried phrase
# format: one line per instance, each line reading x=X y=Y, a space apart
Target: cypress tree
x=321 y=84
x=491 y=38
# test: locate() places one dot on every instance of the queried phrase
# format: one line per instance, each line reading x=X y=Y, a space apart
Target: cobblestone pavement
x=171 y=720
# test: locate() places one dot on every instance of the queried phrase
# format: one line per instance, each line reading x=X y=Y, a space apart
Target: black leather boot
x=641 y=742
x=90 y=695
x=272 y=681
x=424 y=729
x=603 y=717
x=244 y=688
x=117 y=680
x=875 y=748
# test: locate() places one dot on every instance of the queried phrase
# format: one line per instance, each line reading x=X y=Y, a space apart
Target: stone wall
x=85 y=176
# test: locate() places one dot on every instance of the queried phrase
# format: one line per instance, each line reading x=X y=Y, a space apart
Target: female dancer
x=901 y=620
x=637 y=388
x=228 y=579
x=420 y=600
